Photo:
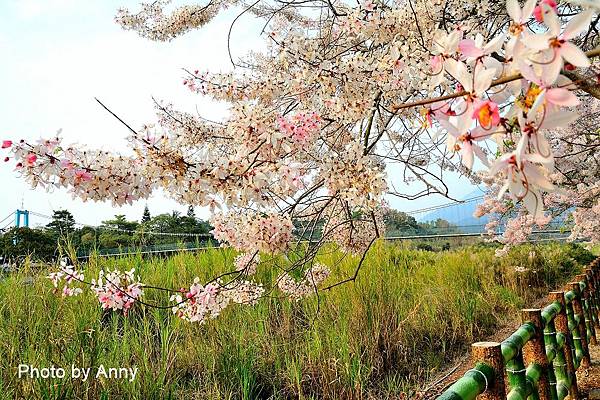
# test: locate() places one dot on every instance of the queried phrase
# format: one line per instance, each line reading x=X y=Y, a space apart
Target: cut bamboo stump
x=534 y=351
x=586 y=302
x=581 y=328
x=561 y=324
x=490 y=354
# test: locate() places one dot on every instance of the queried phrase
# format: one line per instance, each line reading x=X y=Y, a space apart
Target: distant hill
x=460 y=214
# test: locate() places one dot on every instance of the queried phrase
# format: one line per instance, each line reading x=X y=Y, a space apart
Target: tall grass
x=408 y=314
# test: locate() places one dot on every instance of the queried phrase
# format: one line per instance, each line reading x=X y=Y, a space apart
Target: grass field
x=408 y=315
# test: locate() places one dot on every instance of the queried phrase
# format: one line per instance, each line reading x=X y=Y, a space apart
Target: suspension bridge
x=456 y=217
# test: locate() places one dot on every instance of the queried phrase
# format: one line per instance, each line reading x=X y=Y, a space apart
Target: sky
x=57 y=55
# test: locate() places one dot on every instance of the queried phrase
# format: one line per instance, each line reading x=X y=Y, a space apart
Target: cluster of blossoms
x=69 y=275
x=151 y=22
x=526 y=158
x=576 y=163
x=517 y=230
x=355 y=177
x=117 y=290
x=301 y=128
x=242 y=292
x=89 y=175
x=308 y=285
x=200 y=302
x=203 y=302
x=247 y=262
x=586 y=223
x=251 y=231
x=354 y=231
x=344 y=96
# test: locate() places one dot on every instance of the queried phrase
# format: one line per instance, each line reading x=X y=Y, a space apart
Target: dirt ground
x=588 y=380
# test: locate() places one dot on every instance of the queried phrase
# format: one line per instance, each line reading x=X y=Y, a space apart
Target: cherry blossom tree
x=502 y=93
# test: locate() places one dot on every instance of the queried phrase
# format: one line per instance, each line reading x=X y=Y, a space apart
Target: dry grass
x=409 y=314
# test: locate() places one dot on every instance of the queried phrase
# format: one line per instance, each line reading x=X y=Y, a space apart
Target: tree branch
x=497 y=82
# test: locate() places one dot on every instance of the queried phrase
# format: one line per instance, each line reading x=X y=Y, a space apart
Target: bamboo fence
x=539 y=360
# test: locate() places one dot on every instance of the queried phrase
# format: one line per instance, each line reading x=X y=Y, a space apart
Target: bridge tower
x=25 y=215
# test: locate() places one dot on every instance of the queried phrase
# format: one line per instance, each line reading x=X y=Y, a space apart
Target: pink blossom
x=486 y=112
x=314 y=276
x=300 y=128
x=524 y=179
x=538 y=12
x=201 y=303
x=462 y=139
x=475 y=82
x=519 y=16
x=31 y=159
x=66 y=164
x=82 y=175
x=556 y=46
x=117 y=290
x=468 y=48
x=369 y=5
x=475 y=48
x=436 y=63
x=6 y=144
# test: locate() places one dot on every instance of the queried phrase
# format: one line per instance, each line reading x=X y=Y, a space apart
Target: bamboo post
x=587 y=309
x=579 y=318
x=593 y=295
x=534 y=351
x=573 y=330
x=515 y=371
x=556 y=376
x=561 y=325
x=490 y=354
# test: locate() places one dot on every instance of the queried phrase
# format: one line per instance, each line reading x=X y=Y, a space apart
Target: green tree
x=62 y=223
x=117 y=232
x=441 y=227
x=146 y=215
x=400 y=223
x=86 y=237
x=120 y=222
x=190 y=212
x=21 y=242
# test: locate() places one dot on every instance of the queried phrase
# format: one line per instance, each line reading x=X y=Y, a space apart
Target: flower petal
x=561 y=97
x=552 y=70
x=503 y=190
x=578 y=24
x=483 y=80
x=481 y=155
x=528 y=9
x=540 y=41
x=469 y=49
x=514 y=10
x=521 y=148
x=533 y=202
x=466 y=152
x=558 y=119
x=551 y=20
x=462 y=75
x=528 y=73
x=495 y=44
x=539 y=159
x=574 y=55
